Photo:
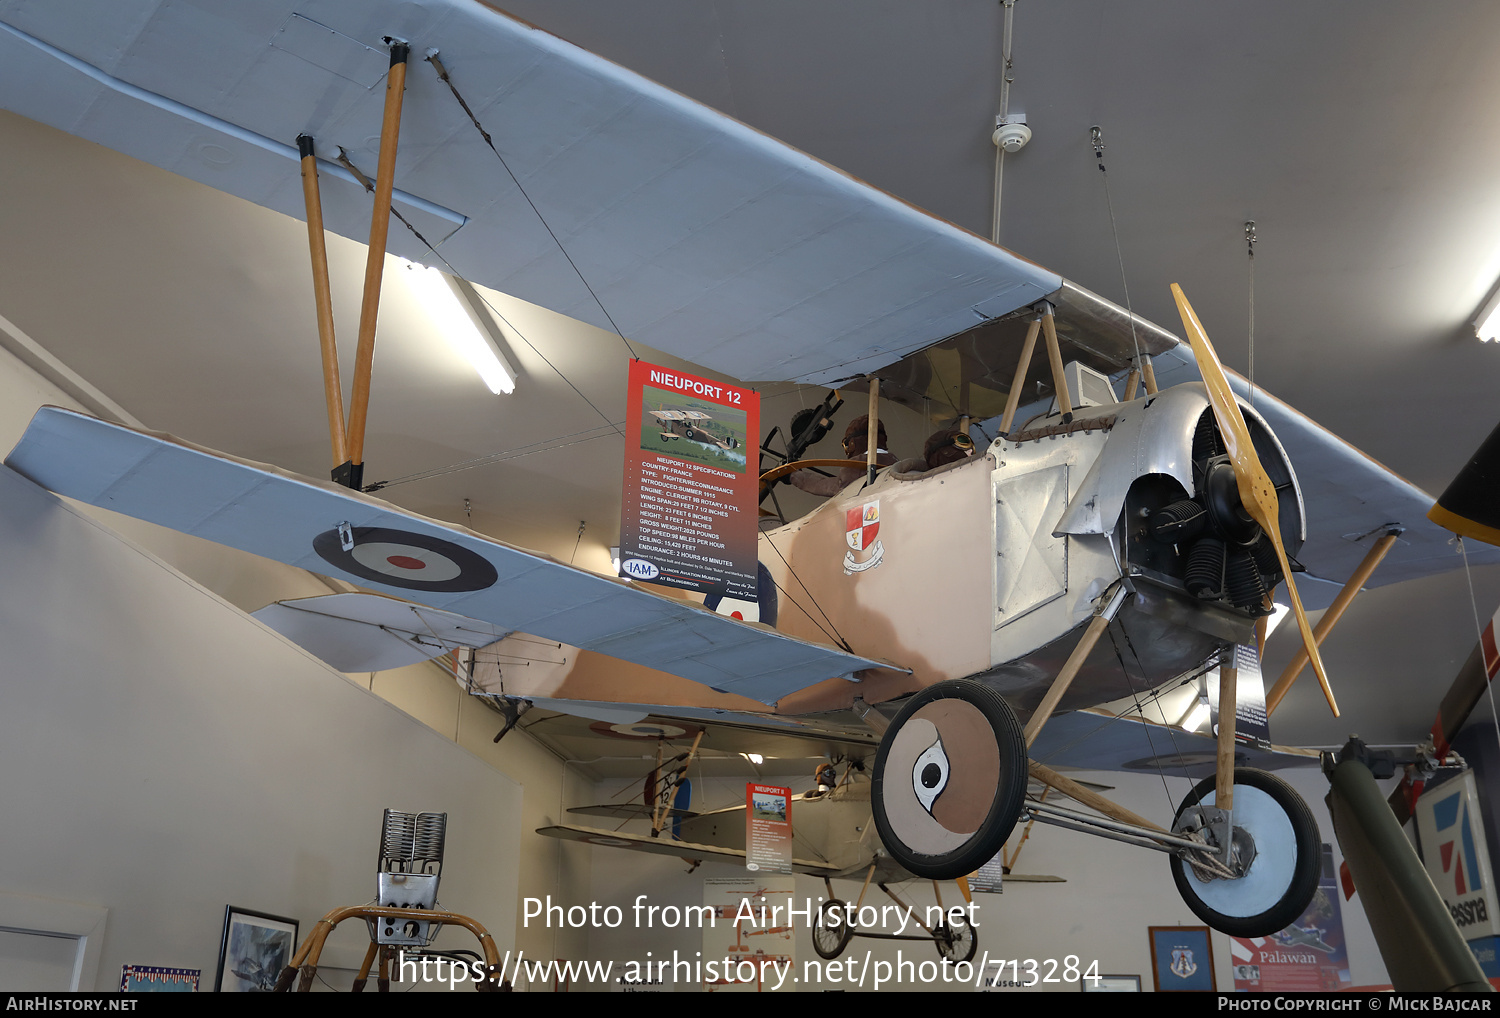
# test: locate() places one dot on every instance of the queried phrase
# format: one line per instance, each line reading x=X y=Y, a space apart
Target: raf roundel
x=400 y=558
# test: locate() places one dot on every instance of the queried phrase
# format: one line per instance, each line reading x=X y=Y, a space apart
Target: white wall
x=163 y=755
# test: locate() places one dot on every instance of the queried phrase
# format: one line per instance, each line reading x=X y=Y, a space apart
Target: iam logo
x=1451 y=818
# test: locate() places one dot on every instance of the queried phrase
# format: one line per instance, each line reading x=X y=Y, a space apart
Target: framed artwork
x=1111 y=984
x=1182 y=958
x=253 y=950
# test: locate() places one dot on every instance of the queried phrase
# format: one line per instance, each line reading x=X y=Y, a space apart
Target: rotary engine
x=1206 y=540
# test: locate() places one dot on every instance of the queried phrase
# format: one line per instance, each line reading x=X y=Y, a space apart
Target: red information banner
x=768 y=828
x=688 y=516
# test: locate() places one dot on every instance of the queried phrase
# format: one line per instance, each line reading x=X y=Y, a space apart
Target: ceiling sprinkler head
x=1011 y=137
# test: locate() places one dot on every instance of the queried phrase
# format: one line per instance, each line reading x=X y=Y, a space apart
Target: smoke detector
x=1011 y=137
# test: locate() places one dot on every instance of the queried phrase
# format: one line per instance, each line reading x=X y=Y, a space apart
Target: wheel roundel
x=950 y=779
x=1282 y=877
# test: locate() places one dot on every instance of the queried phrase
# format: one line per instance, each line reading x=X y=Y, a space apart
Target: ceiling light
x=461 y=325
x=1487 y=322
x=1197 y=717
x=754 y=758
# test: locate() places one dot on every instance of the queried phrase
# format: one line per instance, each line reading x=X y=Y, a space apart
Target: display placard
x=768 y=828
x=688 y=516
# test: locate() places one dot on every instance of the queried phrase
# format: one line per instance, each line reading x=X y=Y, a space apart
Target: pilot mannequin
x=947 y=446
x=856 y=442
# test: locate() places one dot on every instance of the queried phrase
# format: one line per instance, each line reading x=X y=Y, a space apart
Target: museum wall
x=166 y=755
x=1112 y=893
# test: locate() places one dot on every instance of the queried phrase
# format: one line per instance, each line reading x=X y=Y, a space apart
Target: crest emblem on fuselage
x=861 y=524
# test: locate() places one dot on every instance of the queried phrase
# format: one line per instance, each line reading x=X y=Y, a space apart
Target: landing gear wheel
x=955 y=943
x=950 y=779
x=831 y=935
x=1283 y=875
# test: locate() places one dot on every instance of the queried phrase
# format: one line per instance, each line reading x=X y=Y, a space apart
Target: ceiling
x=1360 y=139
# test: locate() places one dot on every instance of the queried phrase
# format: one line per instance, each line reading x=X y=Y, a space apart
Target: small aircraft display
x=1126 y=524
x=833 y=839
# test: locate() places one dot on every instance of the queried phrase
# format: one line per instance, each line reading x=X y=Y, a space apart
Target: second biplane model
x=1099 y=552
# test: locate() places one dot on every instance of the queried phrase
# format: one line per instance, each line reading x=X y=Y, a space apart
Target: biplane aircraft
x=691 y=425
x=1087 y=552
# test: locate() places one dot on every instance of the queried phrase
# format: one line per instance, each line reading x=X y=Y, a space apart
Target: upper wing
x=702 y=236
x=327 y=529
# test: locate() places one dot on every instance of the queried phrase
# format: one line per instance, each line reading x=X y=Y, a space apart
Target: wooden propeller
x=1256 y=490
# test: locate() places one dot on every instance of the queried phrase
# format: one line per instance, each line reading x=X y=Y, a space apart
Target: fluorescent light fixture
x=1196 y=718
x=460 y=323
x=754 y=758
x=614 y=558
x=1487 y=322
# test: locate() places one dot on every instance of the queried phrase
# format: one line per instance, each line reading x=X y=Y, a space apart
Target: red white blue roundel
x=399 y=558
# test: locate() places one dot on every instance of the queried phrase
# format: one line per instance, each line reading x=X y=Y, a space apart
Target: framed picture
x=1111 y=984
x=1182 y=958
x=253 y=950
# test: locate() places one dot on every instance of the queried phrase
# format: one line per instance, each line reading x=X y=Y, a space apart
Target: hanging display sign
x=688 y=516
x=1251 y=727
x=768 y=828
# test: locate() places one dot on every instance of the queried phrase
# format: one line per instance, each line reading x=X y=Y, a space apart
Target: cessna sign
x=1457 y=858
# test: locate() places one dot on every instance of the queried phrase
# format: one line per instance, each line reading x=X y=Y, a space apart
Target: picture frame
x=253 y=949
x=1182 y=959
x=1115 y=983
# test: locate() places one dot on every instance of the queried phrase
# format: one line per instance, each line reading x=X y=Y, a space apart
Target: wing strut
x=1331 y=616
x=351 y=472
x=333 y=389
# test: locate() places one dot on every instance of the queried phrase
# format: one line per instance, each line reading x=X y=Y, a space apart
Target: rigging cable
x=442 y=73
x=1250 y=257
x=1096 y=139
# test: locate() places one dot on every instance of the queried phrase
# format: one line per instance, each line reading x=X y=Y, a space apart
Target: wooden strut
x=1331 y=617
x=1010 y=863
x=865 y=887
x=380 y=221
x=333 y=390
x=1013 y=398
x=1148 y=374
x=1067 y=786
x=911 y=909
x=872 y=443
x=1228 y=699
x=1054 y=357
x=1075 y=661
